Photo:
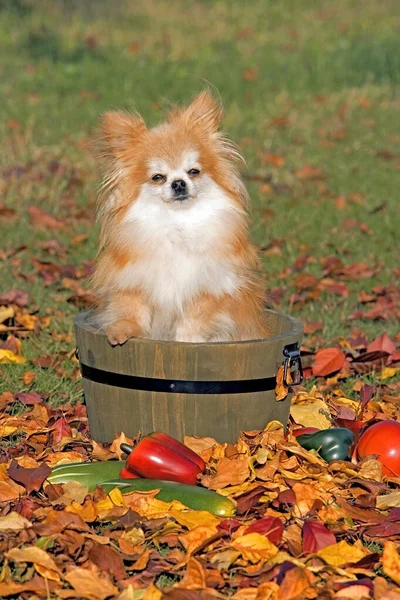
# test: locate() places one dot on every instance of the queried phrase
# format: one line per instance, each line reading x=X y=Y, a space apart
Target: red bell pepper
x=303 y=430
x=159 y=456
x=127 y=474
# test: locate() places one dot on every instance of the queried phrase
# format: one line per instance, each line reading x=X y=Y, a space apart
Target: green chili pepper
x=87 y=473
x=192 y=496
x=331 y=444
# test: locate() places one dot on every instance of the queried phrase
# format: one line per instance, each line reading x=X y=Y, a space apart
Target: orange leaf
x=309 y=172
x=382 y=343
x=196 y=537
x=115 y=446
x=273 y=159
x=28 y=378
x=91 y=584
x=255 y=547
x=327 y=361
x=229 y=472
x=194 y=577
x=391 y=562
x=297 y=583
x=281 y=391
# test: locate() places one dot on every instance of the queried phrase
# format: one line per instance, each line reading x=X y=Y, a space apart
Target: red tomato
x=383 y=439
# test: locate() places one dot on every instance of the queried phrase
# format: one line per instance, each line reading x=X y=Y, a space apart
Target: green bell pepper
x=331 y=444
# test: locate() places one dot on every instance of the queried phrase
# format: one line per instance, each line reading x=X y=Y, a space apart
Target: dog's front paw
x=120 y=331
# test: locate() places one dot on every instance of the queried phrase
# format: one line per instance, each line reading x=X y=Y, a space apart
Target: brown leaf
x=107 y=559
x=29 y=398
x=6 y=398
x=46 y=361
x=39 y=218
x=31 y=479
x=281 y=391
x=14 y=296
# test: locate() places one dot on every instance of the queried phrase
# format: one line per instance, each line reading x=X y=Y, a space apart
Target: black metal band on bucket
x=152 y=384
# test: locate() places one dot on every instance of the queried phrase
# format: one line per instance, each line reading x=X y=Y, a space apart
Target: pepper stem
x=126 y=448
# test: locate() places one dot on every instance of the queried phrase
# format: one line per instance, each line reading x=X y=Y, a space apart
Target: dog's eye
x=194 y=172
x=158 y=177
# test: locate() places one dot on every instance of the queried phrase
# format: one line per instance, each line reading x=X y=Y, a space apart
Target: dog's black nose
x=179 y=186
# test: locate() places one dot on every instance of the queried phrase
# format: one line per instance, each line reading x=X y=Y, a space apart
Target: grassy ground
x=311 y=91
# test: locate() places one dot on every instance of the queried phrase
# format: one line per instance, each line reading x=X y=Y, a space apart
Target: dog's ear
x=205 y=112
x=118 y=130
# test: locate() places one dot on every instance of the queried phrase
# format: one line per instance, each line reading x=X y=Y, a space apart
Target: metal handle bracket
x=292 y=360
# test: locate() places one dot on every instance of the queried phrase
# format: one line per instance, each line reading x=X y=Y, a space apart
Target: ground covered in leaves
x=311 y=96
x=304 y=528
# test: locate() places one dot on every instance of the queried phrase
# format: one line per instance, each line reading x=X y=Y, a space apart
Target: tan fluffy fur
x=213 y=292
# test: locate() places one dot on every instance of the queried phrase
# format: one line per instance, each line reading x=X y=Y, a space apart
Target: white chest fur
x=180 y=246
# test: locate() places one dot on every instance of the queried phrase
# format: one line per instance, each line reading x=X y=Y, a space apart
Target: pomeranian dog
x=176 y=262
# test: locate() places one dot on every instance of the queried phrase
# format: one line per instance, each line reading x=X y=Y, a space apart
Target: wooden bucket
x=217 y=389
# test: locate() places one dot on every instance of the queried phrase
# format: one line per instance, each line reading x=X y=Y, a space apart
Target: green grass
x=331 y=70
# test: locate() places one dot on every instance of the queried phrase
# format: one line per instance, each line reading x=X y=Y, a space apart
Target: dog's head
x=182 y=161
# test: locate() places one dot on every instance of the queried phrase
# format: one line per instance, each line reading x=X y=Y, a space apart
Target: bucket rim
x=296 y=330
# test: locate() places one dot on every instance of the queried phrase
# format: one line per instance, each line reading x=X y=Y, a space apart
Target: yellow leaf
x=32 y=554
x=371 y=469
x=338 y=555
x=6 y=312
x=6 y=430
x=388 y=372
x=254 y=547
x=391 y=500
x=193 y=518
x=8 y=357
x=63 y=458
x=14 y=522
x=391 y=562
x=348 y=402
x=312 y=414
x=117 y=497
x=104 y=505
x=152 y=593
x=87 y=511
x=134 y=536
